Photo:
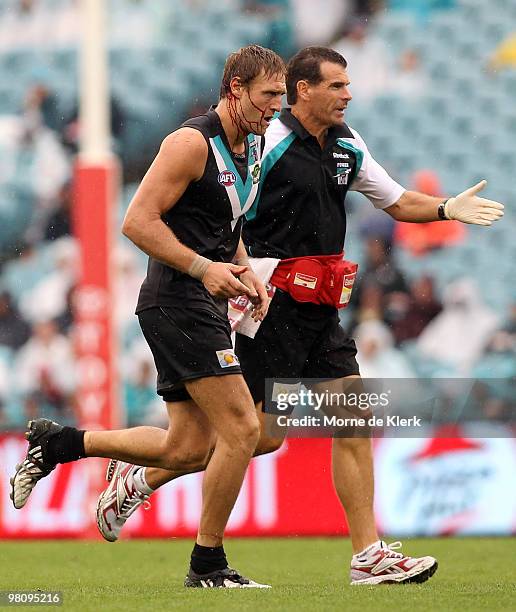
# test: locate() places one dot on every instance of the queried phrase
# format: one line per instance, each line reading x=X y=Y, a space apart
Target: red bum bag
x=321 y=279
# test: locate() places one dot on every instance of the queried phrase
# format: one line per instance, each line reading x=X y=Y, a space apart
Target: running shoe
x=382 y=564
x=119 y=500
x=222 y=579
x=36 y=465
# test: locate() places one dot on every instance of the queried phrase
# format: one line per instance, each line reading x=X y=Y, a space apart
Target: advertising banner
x=424 y=486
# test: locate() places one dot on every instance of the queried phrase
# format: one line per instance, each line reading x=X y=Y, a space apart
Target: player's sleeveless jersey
x=208 y=216
x=300 y=204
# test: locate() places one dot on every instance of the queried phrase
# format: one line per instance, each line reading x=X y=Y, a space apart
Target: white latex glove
x=469 y=208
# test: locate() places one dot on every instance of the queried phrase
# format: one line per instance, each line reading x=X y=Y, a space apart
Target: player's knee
x=243 y=434
x=250 y=431
x=180 y=459
x=268 y=445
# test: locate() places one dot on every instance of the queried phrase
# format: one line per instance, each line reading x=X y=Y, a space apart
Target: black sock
x=68 y=445
x=206 y=559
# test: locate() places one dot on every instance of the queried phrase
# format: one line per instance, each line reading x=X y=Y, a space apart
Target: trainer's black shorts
x=296 y=340
x=188 y=340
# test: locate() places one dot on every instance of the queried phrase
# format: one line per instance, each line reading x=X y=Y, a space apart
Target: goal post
x=96 y=188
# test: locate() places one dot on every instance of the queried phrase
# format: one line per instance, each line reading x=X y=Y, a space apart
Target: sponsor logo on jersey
x=255 y=173
x=340 y=156
x=227 y=358
x=305 y=280
x=253 y=149
x=343 y=170
x=226 y=178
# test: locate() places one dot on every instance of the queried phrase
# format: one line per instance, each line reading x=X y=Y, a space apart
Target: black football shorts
x=188 y=342
x=296 y=340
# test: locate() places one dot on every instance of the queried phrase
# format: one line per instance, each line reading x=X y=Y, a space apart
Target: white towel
x=239 y=309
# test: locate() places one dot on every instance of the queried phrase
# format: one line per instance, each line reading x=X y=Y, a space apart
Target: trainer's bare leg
x=228 y=404
x=353 y=478
x=199 y=455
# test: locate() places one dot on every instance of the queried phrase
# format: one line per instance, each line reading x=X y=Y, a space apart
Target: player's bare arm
x=467 y=207
x=181 y=160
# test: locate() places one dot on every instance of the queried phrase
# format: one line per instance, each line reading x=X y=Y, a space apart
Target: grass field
x=306 y=574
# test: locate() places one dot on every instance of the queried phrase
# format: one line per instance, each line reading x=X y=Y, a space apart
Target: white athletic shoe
x=119 y=500
x=381 y=564
x=36 y=464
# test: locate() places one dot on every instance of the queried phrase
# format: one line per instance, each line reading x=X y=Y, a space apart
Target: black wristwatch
x=441 y=212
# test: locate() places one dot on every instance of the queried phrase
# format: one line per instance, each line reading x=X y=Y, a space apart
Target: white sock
x=140 y=483
x=367 y=551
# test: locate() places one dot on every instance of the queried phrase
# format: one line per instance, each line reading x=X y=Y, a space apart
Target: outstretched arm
x=467 y=207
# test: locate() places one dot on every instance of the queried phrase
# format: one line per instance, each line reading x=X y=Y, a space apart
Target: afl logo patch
x=227 y=178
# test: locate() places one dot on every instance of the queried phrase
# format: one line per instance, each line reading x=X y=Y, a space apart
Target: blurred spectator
x=41 y=107
x=14 y=330
x=59 y=222
x=460 y=332
x=71 y=125
x=140 y=393
x=128 y=279
x=31 y=24
x=408 y=78
x=376 y=226
x=420 y=308
x=367 y=64
x=139 y=376
x=367 y=8
x=66 y=319
x=45 y=369
x=280 y=23
x=49 y=167
x=48 y=299
x=25 y=7
x=318 y=22
x=369 y=304
x=23 y=271
x=33 y=170
x=504 y=56
x=504 y=338
x=380 y=269
x=377 y=356
x=420 y=238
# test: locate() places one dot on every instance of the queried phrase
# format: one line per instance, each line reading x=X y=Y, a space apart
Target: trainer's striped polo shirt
x=300 y=207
